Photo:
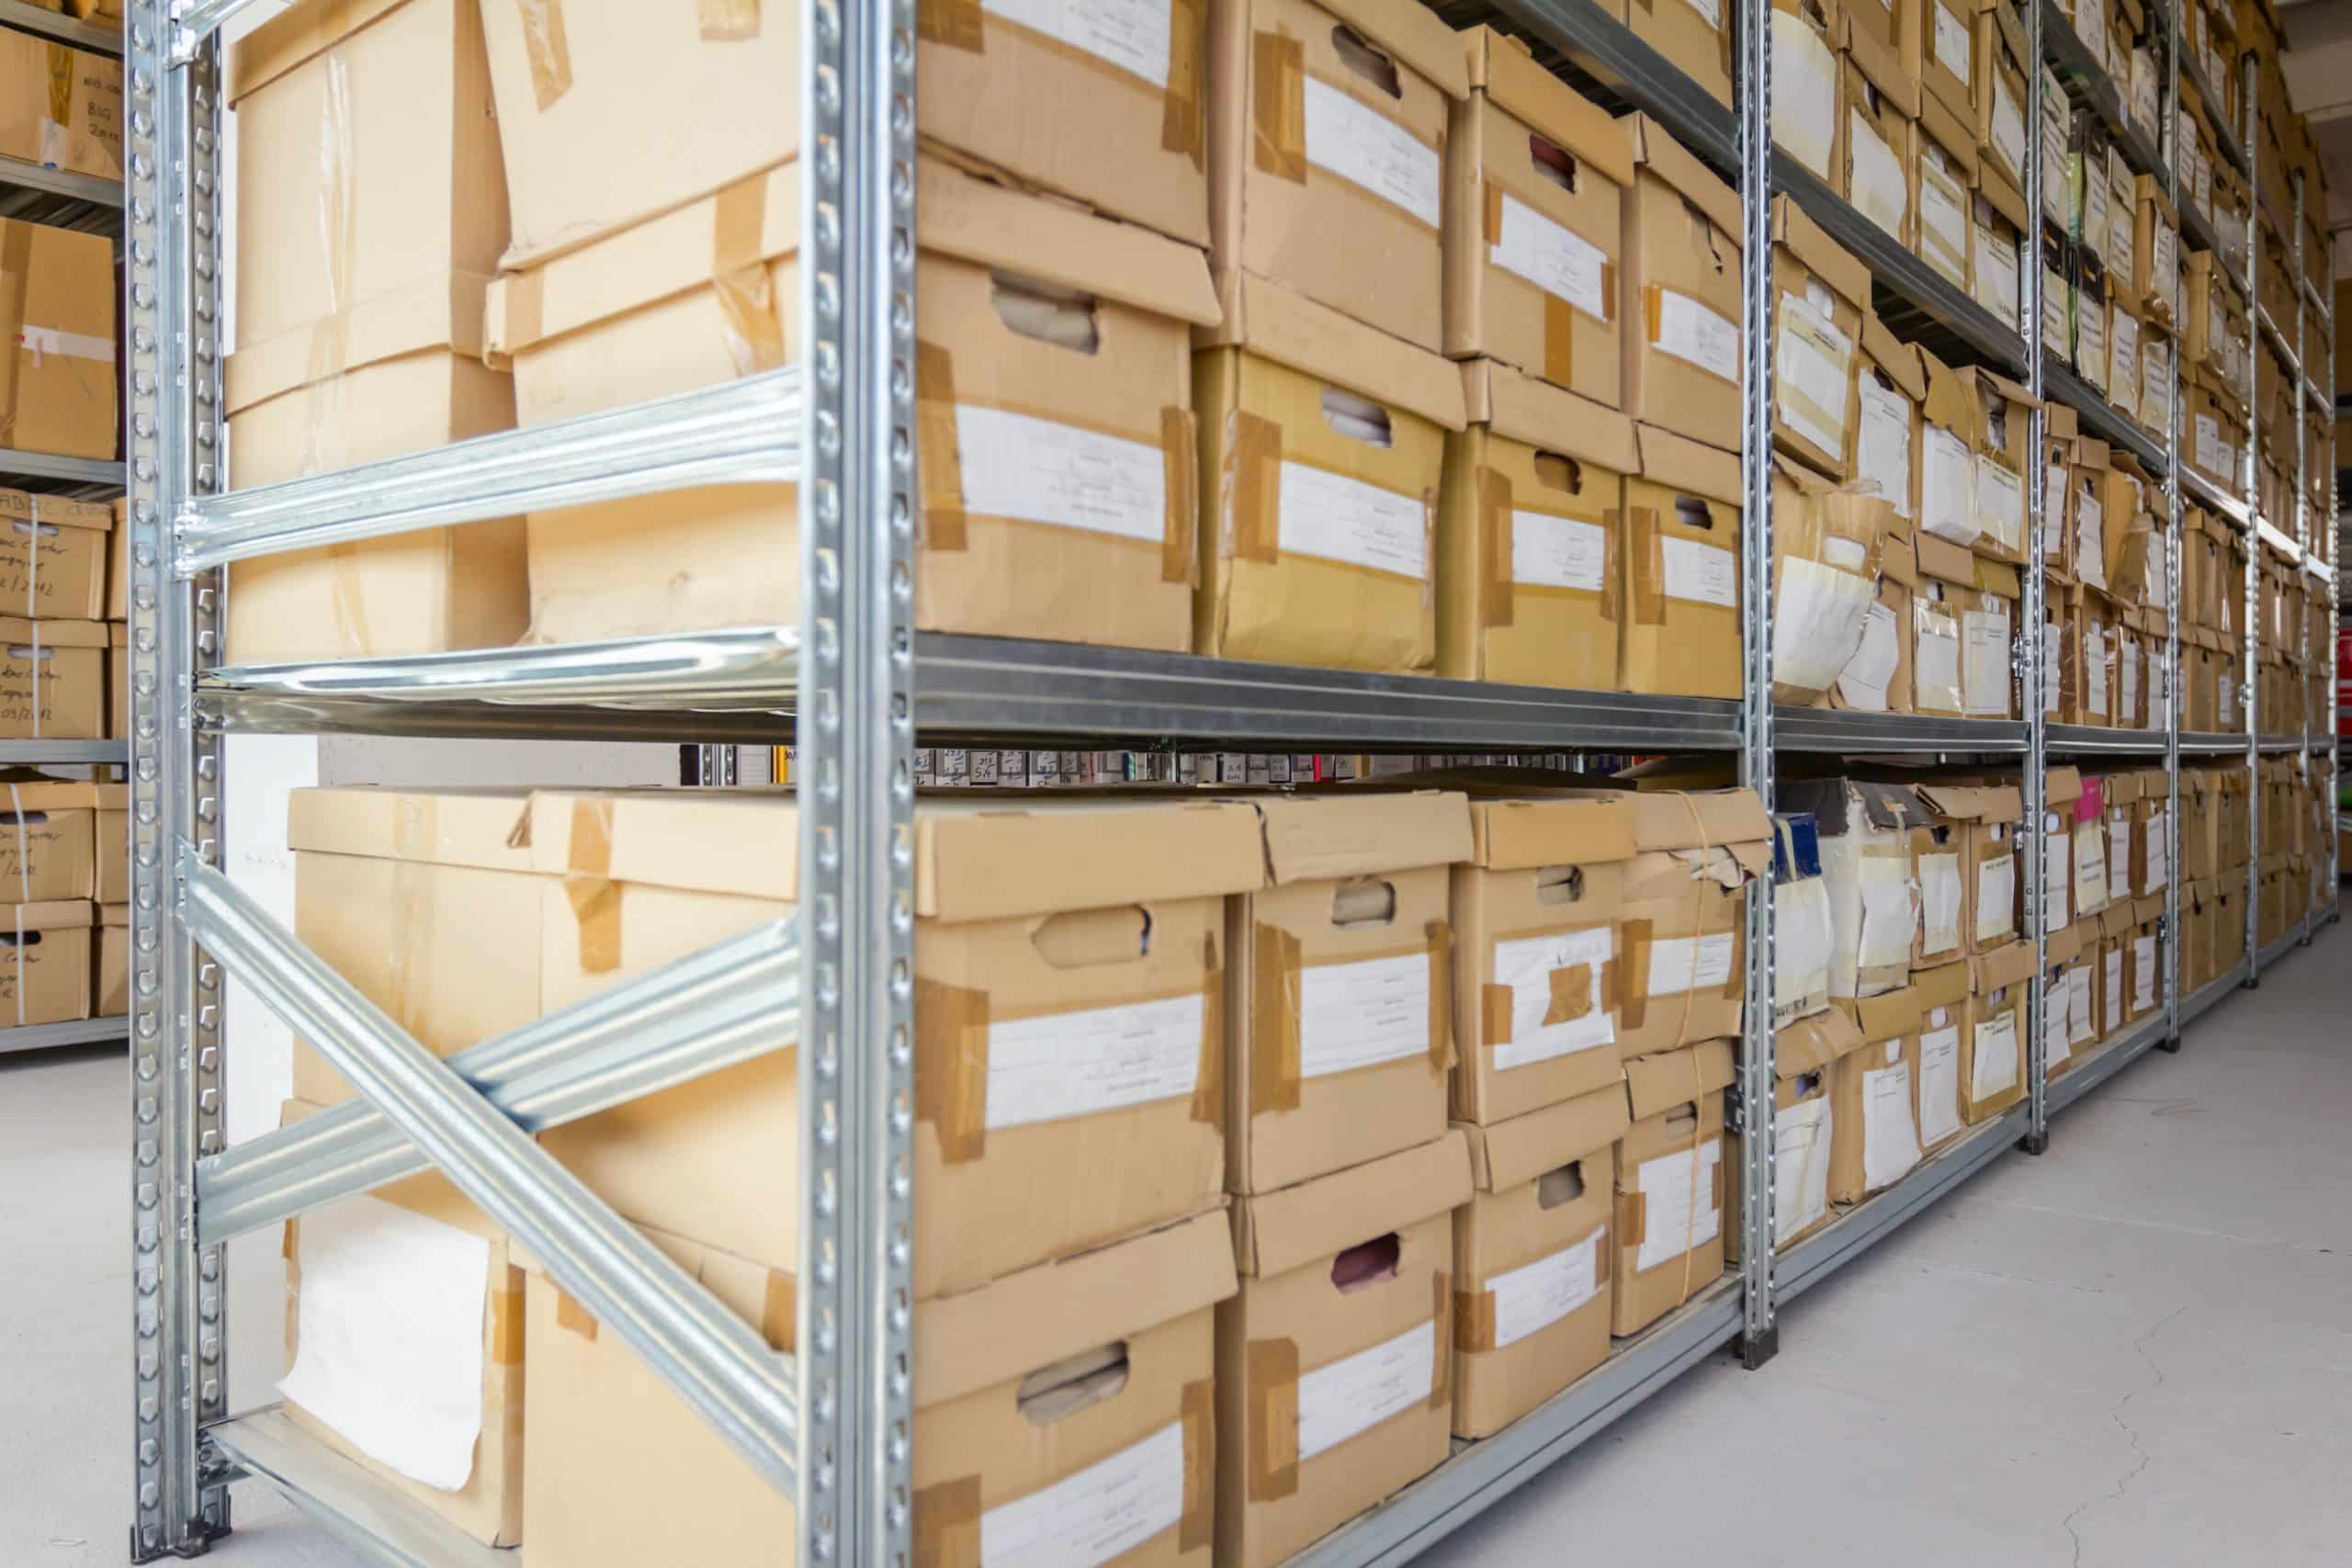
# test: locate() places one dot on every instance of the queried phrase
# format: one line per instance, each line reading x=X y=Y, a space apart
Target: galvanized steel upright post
x=2174 y=713
x=1759 y=1330
x=2032 y=611
x=2250 y=489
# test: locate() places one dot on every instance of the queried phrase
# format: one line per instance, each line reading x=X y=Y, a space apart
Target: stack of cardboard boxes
x=64 y=846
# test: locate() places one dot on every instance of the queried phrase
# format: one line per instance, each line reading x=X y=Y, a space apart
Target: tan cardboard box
x=117 y=681
x=66 y=662
x=1537 y=972
x=2155 y=251
x=1875 y=1098
x=2197 y=913
x=54 y=555
x=1805 y=1122
x=1347 y=1277
x=1942 y=157
x=2062 y=791
x=1529 y=589
x=367 y=158
x=1980 y=819
x=2229 y=920
x=111 y=988
x=1697 y=39
x=61 y=387
x=118 y=563
x=410 y=1259
x=1337 y=985
x=1960 y=620
x=2115 y=977
x=1992 y=1036
x=1877 y=101
x=1680 y=541
x=2060 y=982
x=1326 y=144
x=1942 y=56
x=1819 y=292
x=1826 y=544
x=398 y=373
x=1998 y=229
x=1681 y=281
x=1866 y=831
x=1943 y=496
x=1889 y=23
x=1322 y=455
x=48 y=838
x=1998 y=56
x=2001 y=441
x=1535 y=184
x=45 y=961
x=1939 y=864
x=1100 y=1362
x=1669 y=1224
x=1532 y=1256
x=64 y=108
x=1683 y=922
x=1807 y=37
x=1883 y=443
x=1942 y=996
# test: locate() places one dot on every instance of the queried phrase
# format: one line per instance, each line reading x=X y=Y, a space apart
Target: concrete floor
x=2136 y=1350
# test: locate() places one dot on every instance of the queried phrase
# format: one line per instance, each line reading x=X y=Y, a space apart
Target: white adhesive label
x=1882 y=453
x=1103 y=1512
x=2055 y=858
x=1984 y=686
x=2054 y=511
x=1357 y=1392
x=2090 y=344
x=2166 y=246
x=2054 y=1049
x=2081 y=1027
x=1680 y=963
x=1805 y=119
x=2000 y=504
x=1526 y=966
x=1939 y=904
x=1366 y=148
x=1997 y=898
x=1889 y=915
x=2158 y=850
x=2118 y=854
x=2123 y=361
x=1362 y=1014
x=1710 y=11
x=1534 y=1296
x=1994 y=1067
x=1947 y=491
x=1081 y=1063
x=2127 y=698
x=1801 y=1145
x=2211 y=452
x=1951 y=42
x=1810 y=374
x=1804 y=936
x=1890 y=1132
x=2145 y=113
x=1557 y=552
x=2090 y=870
x=2090 y=538
x=1943 y=222
x=2155 y=383
x=1863 y=682
x=1130 y=34
x=1551 y=257
x=1998 y=288
x=2111 y=992
x=2097 y=208
x=2056 y=188
x=2143 y=974
x=1935 y=659
x=2094 y=670
x=1344 y=519
x=1881 y=188
x=1700 y=573
x=1678 y=1211
x=2053 y=643
x=1692 y=332
x=1039 y=470
x=2119 y=227
x=1818 y=623
x=2008 y=128
x=1938 y=1084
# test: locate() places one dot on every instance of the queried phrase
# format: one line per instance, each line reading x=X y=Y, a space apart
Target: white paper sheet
x=1890 y=1135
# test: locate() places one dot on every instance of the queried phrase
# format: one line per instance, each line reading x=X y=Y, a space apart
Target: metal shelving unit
x=830 y=1425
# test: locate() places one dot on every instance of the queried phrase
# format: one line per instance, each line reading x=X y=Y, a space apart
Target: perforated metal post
x=172 y=305
x=2032 y=611
x=2250 y=487
x=2168 y=939
x=1759 y=1330
x=855 y=738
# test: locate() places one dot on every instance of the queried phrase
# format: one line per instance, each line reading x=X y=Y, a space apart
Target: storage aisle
x=2140 y=1344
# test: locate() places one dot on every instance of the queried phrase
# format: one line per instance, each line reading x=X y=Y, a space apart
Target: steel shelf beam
x=1814 y=1260
x=2203 y=1000
x=2089 y=86
x=2105 y=420
x=72 y=1032
x=2279 y=340
x=98 y=37
x=2099 y=1062
x=2274 y=743
x=2213 y=742
x=2224 y=135
x=2269 y=956
x=368 y=1516
x=16 y=463
x=88 y=190
x=1840 y=730
x=2317 y=302
x=2091 y=740
x=39 y=754
x=2214 y=499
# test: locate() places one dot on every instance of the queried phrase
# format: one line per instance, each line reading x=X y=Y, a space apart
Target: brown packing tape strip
x=1180 y=465
x=1269 y=1392
x=779 y=1313
x=1197 y=1406
x=1442 y=1339
x=1633 y=1212
x=729 y=21
x=596 y=910
x=1571 y=993
x=1652 y=312
x=1278 y=105
x=1559 y=340
x=15 y=277
x=1495 y=584
x=1275 y=990
x=1208 y=1083
x=1634 y=938
x=1495 y=1004
x=1440 y=952
x=952 y=1067
x=958 y=24
x=505 y=1346
x=550 y=51
x=947 y=1524
x=570 y=1314
x=1256 y=454
x=738 y=272
x=1491 y=208
x=1611 y=580
x=1180 y=121
x=591 y=851
x=1645 y=576
x=937 y=450
x=1474 y=1321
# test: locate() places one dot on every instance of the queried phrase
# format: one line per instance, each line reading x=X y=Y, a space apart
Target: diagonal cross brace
x=716 y=1361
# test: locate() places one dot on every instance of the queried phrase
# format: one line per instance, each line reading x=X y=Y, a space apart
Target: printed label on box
x=1996 y=892
x=2081 y=1028
x=2159 y=850
x=1881 y=190
x=1946 y=487
x=1362 y=1014
x=1103 y=1512
x=1700 y=573
x=1986 y=683
x=1678 y=1212
x=2053 y=645
x=1951 y=42
x=1690 y=330
x=1883 y=447
x=1996 y=1066
x=1863 y=684
x=1551 y=256
x=1366 y=148
x=2118 y=850
x=2000 y=503
x=1939 y=903
x=2094 y=670
x=1811 y=373
x=1998 y=288
x=1130 y=34
x=1890 y=914
x=1038 y=470
x=1357 y=1392
x=1801 y=1144
x=2111 y=992
x=1805 y=119
x=1079 y=1063
x=1935 y=661
x=1536 y=1295
x=2008 y=127
x=2126 y=702
x=1557 y=552
x=1938 y=1084
x=2054 y=1049
x=2123 y=360
x=1943 y=221
x=1526 y=966
x=1344 y=519
x=2143 y=974
x=2090 y=870
x=1680 y=963
x=1890 y=1134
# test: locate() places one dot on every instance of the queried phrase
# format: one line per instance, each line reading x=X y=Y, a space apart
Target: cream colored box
x=1668 y=1230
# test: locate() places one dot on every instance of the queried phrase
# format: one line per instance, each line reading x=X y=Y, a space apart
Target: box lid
x=21 y=506
x=2063 y=945
x=1509 y=1153
x=1996 y=188
x=293 y=37
x=1972 y=803
x=2149 y=909
x=16 y=631
x=443 y=827
x=1267 y=318
x=1881 y=65
x=2003 y=966
x=2061 y=787
x=1939 y=557
x=1518 y=835
x=2123 y=786
x=1522 y=408
x=1313 y=838
x=443 y=310
x=1823 y=257
x=1276 y=1232
x=1012 y=854
x=1898 y=359
x=1812 y=1043
x=1947 y=401
x=1655 y=1084
x=1682 y=463
x=1013 y=1325
x=1957 y=138
x=1946 y=985
x=1890 y=1015
x=1414 y=34
x=28 y=789
x=1655 y=149
x=2117 y=919
x=1832 y=801
x=114 y=914
x=1506 y=69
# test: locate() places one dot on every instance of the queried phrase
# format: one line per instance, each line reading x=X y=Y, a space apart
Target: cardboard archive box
x=1696 y=39
x=1535 y=197
x=1942 y=159
x=45 y=974
x=1322 y=456
x=52 y=680
x=1682 y=282
x=1338 y=981
x=1807 y=39
x=1075 y=1397
x=404 y=894
x=1682 y=927
x=1877 y=101
x=1819 y=292
x=1669 y=1222
x=1997 y=59
x=1333 y=1382
x=1538 y=974
x=1531 y=1256
x=1939 y=869
x=1326 y=141
x=2155 y=251
x=1961 y=616
x=54 y=556
x=1993 y=1033
x=2002 y=462
x=1882 y=445
x=61 y=389
x=1865 y=834
x=1528 y=579
x=48 y=838
x=1943 y=497
x=1997 y=228
x=110 y=996
x=2066 y=971
x=1805 y=1056
x=1826 y=544
x=1876 y=1092
x=1983 y=817
x=1939 y=1000
x=1940 y=54
x=1679 y=543
x=64 y=109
